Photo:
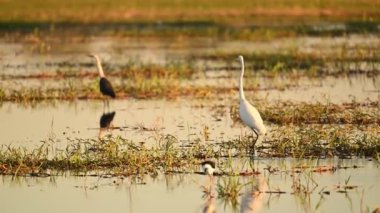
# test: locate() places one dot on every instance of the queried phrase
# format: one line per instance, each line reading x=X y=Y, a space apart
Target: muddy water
x=183 y=193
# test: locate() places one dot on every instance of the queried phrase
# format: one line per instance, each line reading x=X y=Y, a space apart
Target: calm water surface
x=183 y=193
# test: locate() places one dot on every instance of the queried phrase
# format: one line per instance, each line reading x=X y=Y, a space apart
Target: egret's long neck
x=241 y=91
x=100 y=68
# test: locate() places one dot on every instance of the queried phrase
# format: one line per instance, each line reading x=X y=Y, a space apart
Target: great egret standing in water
x=248 y=113
x=104 y=84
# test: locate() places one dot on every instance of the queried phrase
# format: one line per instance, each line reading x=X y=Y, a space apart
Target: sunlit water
x=139 y=121
x=183 y=193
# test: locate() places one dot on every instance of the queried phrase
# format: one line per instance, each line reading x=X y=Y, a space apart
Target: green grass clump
x=322 y=141
x=229 y=190
x=304 y=113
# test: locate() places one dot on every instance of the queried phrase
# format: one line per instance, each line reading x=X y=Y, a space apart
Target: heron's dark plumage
x=210 y=162
x=106 y=88
x=106 y=119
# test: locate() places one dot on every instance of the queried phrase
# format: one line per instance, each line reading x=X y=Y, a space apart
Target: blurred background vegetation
x=224 y=19
x=240 y=11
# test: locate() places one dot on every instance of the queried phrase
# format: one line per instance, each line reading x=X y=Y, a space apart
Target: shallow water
x=185 y=118
x=25 y=58
x=183 y=193
x=140 y=121
x=28 y=57
x=182 y=118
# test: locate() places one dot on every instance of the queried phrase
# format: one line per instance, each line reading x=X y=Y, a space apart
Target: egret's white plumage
x=248 y=113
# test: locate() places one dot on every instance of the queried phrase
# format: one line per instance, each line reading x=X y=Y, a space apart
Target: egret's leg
x=252 y=149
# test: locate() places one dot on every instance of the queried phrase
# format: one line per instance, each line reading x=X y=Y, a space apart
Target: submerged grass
x=120 y=156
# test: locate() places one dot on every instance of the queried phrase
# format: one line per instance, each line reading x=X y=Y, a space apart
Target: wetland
x=316 y=85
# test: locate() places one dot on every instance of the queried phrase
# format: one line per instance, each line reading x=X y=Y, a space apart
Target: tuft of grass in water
x=322 y=141
x=347 y=113
x=229 y=190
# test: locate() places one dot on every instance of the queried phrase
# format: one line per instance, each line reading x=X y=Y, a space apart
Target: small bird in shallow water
x=248 y=113
x=208 y=167
x=105 y=85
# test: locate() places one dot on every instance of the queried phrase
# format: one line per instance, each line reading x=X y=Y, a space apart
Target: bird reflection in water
x=106 y=122
x=252 y=200
x=209 y=206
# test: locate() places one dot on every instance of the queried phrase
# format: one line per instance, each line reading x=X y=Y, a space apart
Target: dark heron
x=104 y=84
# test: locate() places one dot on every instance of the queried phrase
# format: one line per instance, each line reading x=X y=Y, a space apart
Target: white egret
x=248 y=113
x=104 y=84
